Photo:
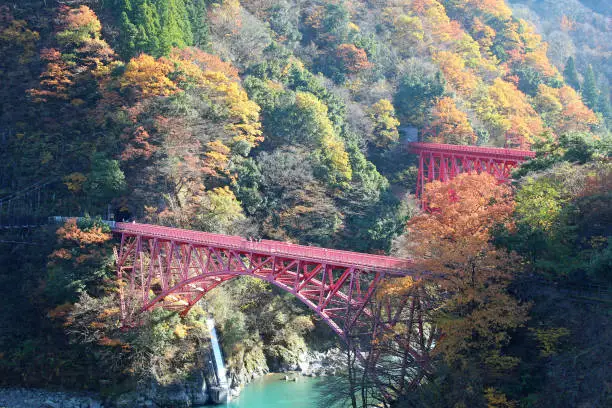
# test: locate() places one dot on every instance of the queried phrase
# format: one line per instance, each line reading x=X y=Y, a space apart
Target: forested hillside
x=579 y=38
x=289 y=120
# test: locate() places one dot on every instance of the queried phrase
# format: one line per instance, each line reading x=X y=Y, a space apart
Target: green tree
x=302 y=119
x=147 y=21
x=327 y=25
x=539 y=204
x=199 y=23
x=104 y=182
x=570 y=74
x=175 y=25
x=373 y=215
x=589 y=89
x=297 y=206
x=220 y=212
x=284 y=20
x=562 y=223
x=300 y=79
x=416 y=94
x=312 y=114
x=385 y=132
x=604 y=107
x=129 y=35
x=529 y=80
x=247 y=186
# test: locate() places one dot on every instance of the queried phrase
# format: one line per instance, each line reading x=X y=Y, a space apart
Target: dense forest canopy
x=290 y=120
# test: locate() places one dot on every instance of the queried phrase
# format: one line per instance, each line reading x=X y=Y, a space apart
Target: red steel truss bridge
x=180 y=266
x=174 y=268
x=442 y=162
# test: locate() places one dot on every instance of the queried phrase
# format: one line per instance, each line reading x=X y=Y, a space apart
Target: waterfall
x=219 y=366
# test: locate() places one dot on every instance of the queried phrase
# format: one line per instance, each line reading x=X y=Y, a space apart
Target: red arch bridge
x=174 y=268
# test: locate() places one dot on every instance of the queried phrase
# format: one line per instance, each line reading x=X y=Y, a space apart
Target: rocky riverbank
x=322 y=363
x=313 y=363
x=185 y=395
x=188 y=394
x=36 y=398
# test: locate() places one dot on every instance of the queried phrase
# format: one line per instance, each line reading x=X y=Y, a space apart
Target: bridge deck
x=323 y=255
x=461 y=150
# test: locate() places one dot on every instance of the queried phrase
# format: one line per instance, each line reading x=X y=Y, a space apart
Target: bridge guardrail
x=389 y=264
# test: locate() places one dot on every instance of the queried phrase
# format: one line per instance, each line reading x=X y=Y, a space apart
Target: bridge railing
x=476 y=151
x=324 y=255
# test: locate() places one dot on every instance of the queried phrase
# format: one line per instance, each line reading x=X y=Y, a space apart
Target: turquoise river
x=272 y=391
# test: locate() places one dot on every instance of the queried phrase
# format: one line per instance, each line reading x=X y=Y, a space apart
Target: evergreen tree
x=196 y=10
x=570 y=74
x=589 y=89
x=604 y=107
x=147 y=20
x=416 y=94
x=129 y=34
x=156 y=26
x=175 y=25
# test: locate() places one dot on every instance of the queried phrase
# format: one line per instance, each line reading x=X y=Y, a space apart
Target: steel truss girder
x=154 y=270
x=168 y=273
x=442 y=162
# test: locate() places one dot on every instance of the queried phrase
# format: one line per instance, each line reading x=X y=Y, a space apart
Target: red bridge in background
x=442 y=162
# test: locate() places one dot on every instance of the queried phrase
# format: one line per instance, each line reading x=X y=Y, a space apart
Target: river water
x=272 y=391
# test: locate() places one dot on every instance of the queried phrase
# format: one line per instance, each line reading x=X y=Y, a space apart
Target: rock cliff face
x=195 y=392
x=191 y=393
x=321 y=363
x=311 y=363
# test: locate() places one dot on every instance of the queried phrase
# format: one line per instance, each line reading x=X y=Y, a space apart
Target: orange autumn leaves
x=149 y=76
x=449 y=124
x=451 y=245
x=82 y=54
x=71 y=232
x=456 y=227
x=480 y=60
x=77 y=245
x=192 y=68
x=353 y=59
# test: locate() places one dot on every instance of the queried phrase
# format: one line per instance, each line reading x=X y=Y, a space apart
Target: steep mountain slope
x=328 y=87
x=580 y=30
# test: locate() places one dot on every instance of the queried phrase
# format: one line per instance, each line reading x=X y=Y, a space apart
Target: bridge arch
x=209 y=281
x=181 y=266
x=174 y=268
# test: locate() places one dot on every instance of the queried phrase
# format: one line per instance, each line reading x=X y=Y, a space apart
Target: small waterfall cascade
x=219 y=393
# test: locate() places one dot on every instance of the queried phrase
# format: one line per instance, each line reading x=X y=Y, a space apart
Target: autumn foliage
x=449 y=124
x=72 y=233
x=353 y=59
x=149 y=76
x=451 y=245
x=289 y=120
